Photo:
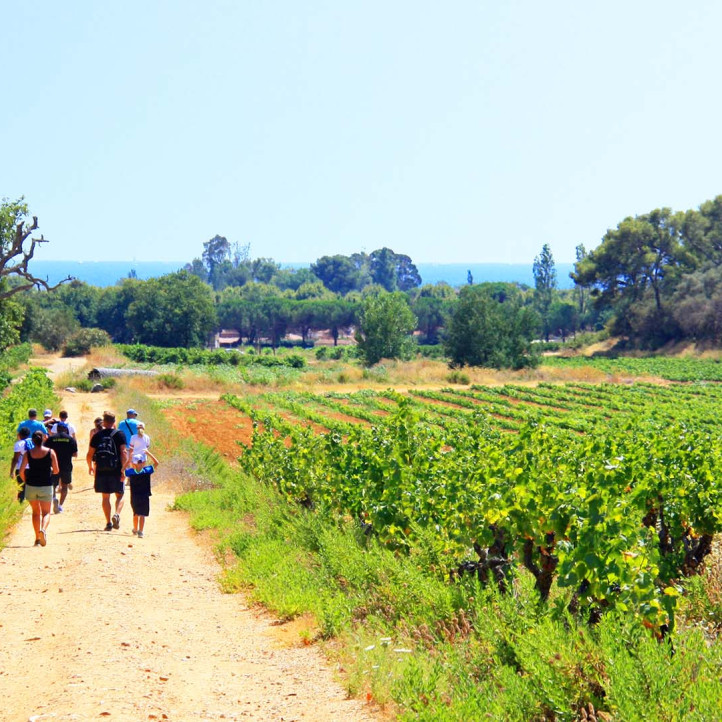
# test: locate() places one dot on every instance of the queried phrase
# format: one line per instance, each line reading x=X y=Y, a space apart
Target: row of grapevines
x=617 y=516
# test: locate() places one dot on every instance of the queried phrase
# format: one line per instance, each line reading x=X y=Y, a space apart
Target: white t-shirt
x=21 y=447
x=71 y=428
x=139 y=444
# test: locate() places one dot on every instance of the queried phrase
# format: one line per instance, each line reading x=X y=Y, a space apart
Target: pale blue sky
x=453 y=132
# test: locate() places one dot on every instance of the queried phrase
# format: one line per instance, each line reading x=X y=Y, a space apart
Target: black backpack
x=106 y=452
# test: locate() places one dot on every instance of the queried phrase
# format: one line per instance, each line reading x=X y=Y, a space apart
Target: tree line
x=654 y=278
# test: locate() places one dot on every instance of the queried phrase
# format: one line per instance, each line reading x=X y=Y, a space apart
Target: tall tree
x=385 y=325
x=580 y=290
x=338 y=273
x=486 y=332
x=545 y=284
x=173 y=310
x=216 y=252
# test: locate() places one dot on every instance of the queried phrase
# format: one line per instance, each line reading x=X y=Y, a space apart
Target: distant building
x=227 y=338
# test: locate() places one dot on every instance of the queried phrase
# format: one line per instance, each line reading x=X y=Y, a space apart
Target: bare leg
x=119 y=503
x=141 y=523
x=37 y=517
x=106 y=507
x=45 y=510
x=63 y=493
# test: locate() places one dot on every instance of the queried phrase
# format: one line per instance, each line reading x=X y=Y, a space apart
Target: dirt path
x=101 y=625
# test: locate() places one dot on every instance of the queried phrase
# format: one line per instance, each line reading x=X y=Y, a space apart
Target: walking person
x=107 y=457
x=63 y=419
x=49 y=420
x=139 y=443
x=36 y=468
x=66 y=449
x=97 y=426
x=129 y=425
x=139 y=479
x=22 y=445
x=32 y=423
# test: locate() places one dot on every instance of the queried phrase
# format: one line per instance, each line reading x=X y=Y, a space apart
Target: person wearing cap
x=138 y=476
x=66 y=449
x=129 y=425
x=49 y=420
x=63 y=419
x=32 y=423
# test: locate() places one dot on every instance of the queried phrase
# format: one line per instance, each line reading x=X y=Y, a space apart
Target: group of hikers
x=42 y=464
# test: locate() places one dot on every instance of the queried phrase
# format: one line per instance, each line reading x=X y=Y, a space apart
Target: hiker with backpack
x=107 y=456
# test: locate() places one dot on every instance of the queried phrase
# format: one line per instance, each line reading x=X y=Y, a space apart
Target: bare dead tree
x=14 y=259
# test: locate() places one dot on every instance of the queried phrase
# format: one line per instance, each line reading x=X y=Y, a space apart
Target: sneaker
x=59 y=509
x=56 y=506
x=116 y=521
x=37 y=543
x=140 y=535
x=108 y=526
x=43 y=538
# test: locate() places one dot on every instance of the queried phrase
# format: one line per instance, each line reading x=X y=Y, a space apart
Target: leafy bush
x=170 y=381
x=458 y=377
x=81 y=342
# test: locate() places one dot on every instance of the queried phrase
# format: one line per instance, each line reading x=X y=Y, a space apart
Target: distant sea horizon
x=108 y=273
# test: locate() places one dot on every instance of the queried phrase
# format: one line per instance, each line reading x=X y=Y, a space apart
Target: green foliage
x=385 y=326
x=171 y=381
x=458 y=377
x=206 y=357
x=486 y=332
x=52 y=327
x=457 y=651
x=34 y=389
x=11 y=318
x=172 y=310
x=82 y=341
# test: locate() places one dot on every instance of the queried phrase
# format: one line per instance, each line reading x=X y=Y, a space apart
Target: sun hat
x=47 y=413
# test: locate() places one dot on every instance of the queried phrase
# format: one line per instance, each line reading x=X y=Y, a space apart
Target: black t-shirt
x=119 y=441
x=64 y=447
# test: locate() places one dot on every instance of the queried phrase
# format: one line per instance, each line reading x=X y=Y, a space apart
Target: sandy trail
x=101 y=625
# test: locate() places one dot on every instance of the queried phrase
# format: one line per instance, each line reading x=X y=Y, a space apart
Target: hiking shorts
x=65 y=477
x=38 y=493
x=105 y=484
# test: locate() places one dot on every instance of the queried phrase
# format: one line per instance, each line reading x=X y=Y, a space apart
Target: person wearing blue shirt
x=129 y=425
x=32 y=423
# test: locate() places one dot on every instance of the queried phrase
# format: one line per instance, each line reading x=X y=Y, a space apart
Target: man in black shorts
x=66 y=449
x=108 y=451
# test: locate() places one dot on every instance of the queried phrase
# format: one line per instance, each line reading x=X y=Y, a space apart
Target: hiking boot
x=116 y=521
x=108 y=526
